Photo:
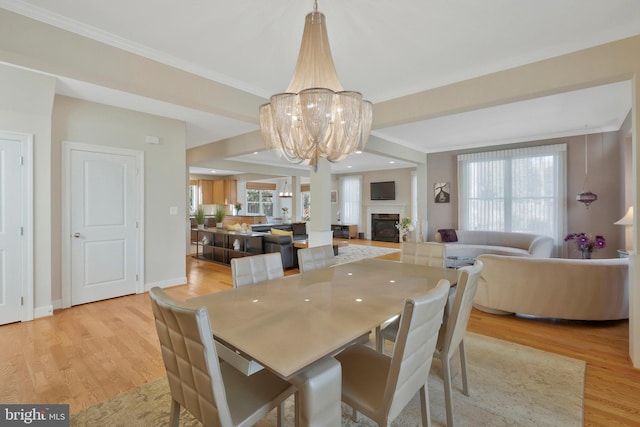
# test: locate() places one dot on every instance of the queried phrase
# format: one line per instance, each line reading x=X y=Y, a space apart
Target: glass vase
x=586 y=254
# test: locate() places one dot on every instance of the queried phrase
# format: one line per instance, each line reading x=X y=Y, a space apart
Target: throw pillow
x=278 y=232
x=448 y=235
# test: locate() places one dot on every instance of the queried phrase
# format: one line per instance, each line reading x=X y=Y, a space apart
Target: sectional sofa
x=576 y=289
x=471 y=244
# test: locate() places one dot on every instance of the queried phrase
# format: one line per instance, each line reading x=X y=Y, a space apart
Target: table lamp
x=627 y=221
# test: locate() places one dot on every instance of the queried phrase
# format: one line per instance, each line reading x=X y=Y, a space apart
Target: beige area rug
x=351 y=253
x=510 y=385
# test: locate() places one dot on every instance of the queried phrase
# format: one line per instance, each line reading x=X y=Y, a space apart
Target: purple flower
x=585 y=243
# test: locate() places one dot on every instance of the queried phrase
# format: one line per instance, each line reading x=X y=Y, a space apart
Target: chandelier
x=586 y=196
x=315 y=117
x=284 y=193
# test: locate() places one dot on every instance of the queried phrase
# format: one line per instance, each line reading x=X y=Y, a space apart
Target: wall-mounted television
x=383 y=190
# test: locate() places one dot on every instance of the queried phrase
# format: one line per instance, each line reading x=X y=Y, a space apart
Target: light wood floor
x=89 y=353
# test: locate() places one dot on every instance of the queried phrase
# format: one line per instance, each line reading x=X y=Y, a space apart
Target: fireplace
x=383 y=227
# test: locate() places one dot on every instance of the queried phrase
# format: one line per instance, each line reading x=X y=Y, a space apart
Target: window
x=306 y=205
x=193 y=198
x=351 y=198
x=260 y=202
x=519 y=190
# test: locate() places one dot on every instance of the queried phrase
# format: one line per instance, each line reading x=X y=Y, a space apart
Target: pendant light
x=586 y=196
x=315 y=117
x=284 y=193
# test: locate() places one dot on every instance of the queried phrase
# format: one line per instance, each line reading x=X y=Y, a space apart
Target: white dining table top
x=287 y=324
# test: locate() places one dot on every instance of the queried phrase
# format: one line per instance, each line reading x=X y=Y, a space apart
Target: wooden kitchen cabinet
x=206 y=191
x=230 y=191
x=218 y=192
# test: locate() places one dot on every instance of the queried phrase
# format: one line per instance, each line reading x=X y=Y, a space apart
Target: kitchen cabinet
x=230 y=191
x=218 y=191
x=206 y=191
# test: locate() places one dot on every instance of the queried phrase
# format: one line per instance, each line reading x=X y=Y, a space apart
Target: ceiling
x=384 y=49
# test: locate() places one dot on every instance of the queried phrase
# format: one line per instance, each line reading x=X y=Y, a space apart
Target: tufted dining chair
x=214 y=392
x=256 y=268
x=431 y=254
x=316 y=257
x=454 y=327
x=451 y=335
x=380 y=386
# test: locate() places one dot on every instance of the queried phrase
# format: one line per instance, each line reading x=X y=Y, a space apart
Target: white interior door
x=12 y=242
x=103 y=201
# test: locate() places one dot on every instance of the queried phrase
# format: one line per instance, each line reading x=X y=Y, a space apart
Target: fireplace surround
x=382 y=208
x=383 y=227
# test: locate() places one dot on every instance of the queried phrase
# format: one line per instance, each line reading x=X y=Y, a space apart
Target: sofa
x=471 y=244
x=575 y=289
x=280 y=239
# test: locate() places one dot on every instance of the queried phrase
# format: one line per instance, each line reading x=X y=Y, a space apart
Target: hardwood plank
x=89 y=353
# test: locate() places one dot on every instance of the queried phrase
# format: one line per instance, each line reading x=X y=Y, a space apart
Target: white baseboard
x=166 y=283
x=43 y=311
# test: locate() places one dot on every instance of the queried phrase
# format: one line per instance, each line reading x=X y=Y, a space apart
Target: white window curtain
x=414 y=200
x=520 y=190
x=351 y=199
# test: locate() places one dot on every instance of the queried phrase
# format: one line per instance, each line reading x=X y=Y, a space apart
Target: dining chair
x=451 y=335
x=454 y=327
x=431 y=254
x=380 y=386
x=214 y=392
x=256 y=268
x=316 y=257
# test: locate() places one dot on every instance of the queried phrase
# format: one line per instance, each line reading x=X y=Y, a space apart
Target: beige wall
x=604 y=162
x=402 y=177
x=90 y=123
x=25 y=107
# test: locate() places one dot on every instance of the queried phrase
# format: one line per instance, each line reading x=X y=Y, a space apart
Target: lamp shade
x=627 y=219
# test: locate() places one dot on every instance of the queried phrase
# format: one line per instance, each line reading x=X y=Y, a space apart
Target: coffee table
x=460 y=261
x=337 y=243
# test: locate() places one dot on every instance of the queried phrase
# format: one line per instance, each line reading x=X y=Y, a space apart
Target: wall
x=402 y=177
x=165 y=170
x=604 y=157
x=25 y=106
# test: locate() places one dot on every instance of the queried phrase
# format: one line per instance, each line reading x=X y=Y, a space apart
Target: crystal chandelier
x=315 y=117
x=586 y=196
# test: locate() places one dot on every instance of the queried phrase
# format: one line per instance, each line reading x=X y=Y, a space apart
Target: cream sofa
x=474 y=243
x=595 y=289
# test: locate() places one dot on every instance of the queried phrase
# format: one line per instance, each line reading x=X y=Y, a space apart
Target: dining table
x=294 y=324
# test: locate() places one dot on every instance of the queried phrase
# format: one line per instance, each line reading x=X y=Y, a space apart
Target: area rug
x=351 y=252
x=510 y=385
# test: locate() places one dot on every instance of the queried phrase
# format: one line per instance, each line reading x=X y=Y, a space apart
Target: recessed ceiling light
x=349 y=167
x=255 y=152
x=359 y=152
x=391 y=161
x=213 y=171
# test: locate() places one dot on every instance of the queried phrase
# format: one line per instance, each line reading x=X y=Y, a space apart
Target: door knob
x=76 y=235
